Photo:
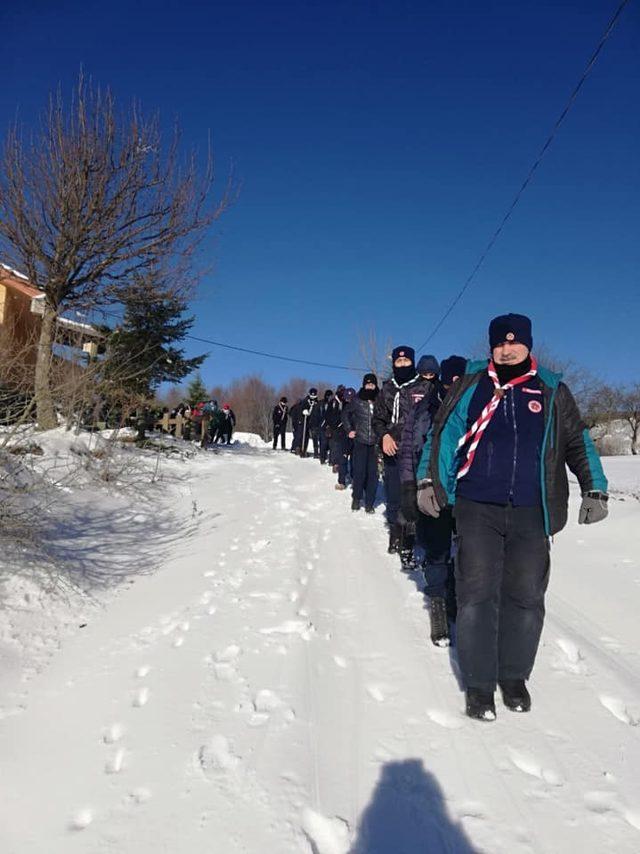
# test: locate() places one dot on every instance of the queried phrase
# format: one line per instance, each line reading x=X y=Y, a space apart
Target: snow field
x=272 y=687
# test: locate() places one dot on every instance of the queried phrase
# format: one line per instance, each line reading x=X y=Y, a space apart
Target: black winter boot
x=480 y=705
x=515 y=695
x=394 y=540
x=439 y=623
x=369 y=509
x=407 y=542
x=355 y=505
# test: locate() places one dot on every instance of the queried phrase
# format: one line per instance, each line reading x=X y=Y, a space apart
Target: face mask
x=403 y=375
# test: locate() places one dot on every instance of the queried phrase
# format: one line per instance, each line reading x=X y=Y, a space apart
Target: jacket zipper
x=515 y=442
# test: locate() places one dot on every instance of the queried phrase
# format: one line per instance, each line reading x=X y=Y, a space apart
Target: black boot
x=515 y=695
x=355 y=505
x=480 y=705
x=394 y=540
x=439 y=622
x=408 y=539
x=369 y=509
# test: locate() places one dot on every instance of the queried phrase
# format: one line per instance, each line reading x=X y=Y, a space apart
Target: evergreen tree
x=196 y=391
x=143 y=352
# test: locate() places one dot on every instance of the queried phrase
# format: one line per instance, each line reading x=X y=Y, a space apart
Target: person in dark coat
x=227 y=424
x=296 y=416
x=398 y=394
x=497 y=453
x=280 y=417
x=312 y=416
x=344 y=460
x=334 y=430
x=451 y=370
x=323 y=438
x=358 y=422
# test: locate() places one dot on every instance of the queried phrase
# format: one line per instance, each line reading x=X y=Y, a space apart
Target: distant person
x=227 y=424
x=498 y=453
x=280 y=417
x=358 y=423
x=323 y=437
x=334 y=429
x=344 y=461
x=297 y=426
x=311 y=418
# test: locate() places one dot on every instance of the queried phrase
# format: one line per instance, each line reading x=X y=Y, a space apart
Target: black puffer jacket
x=358 y=416
x=333 y=415
x=393 y=403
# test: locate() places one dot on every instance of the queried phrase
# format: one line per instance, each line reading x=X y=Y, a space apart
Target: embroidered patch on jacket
x=416 y=397
x=535 y=406
x=531 y=390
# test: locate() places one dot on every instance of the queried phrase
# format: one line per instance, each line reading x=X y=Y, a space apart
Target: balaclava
x=403 y=375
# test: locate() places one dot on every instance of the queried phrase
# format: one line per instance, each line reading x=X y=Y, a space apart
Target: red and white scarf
x=480 y=424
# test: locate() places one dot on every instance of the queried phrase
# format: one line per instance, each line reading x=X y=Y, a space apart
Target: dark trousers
x=364 y=465
x=502 y=572
x=280 y=432
x=392 y=488
x=434 y=535
x=324 y=445
x=336 y=447
x=297 y=436
x=313 y=435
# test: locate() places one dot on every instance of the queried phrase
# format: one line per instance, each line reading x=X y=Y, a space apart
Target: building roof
x=17 y=282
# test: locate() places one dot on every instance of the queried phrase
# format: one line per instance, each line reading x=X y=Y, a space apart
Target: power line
x=248 y=350
x=609 y=29
x=272 y=355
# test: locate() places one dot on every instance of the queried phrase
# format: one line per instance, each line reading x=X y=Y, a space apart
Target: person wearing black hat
x=358 y=423
x=451 y=370
x=334 y=430
x=405 y=388
x=498 y=453
x=297 y=421
x=311 y=416
x=280 y=417
x=323 y=437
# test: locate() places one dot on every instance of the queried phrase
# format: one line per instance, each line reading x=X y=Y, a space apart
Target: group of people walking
x=219 y=421
x=473 y=456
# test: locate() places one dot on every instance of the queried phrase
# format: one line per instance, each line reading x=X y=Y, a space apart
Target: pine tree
x=196 y=391
x=143 y=353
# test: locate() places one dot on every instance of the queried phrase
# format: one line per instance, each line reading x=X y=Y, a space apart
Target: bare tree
x=631 y=409
x=90 y=200
x=375 y=355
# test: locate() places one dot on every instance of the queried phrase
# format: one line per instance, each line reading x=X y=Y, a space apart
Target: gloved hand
x=305 y=412
x=408 y=503
x=427 y=501
x=593 y=508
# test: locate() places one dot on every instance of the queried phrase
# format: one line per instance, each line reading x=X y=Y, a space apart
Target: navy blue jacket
x=506 y=466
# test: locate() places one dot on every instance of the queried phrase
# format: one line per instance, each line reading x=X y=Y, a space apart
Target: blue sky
x=378 y=144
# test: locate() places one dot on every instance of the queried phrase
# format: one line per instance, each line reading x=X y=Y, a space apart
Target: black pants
x=324 y=445
x=434 y=535
x=315 y=439
x=279 y=432
x=297 y=436
x=392 y=488
x=502 y=572
x=364 y=463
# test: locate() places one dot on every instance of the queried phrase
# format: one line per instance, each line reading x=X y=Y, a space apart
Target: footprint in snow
x=115 y=764
x=81 y=819
x=228 y=654
x=178 y=642
x=570 y=659
x=528 y=764
x=340 y=661
x=113 y=734
x=140 y=698
x=375 y=692
x=216 y=756
x=444 y=719
x=143 y=671
x=326 y=835
x=619 y=710
x=260 y=545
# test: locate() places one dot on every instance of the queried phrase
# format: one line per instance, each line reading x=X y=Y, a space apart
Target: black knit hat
x=454 y=366
x=370 y=378
x=513 y=328
x=403 y=350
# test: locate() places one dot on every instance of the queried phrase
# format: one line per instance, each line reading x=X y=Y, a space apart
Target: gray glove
x=427 y=501
x=593 y=508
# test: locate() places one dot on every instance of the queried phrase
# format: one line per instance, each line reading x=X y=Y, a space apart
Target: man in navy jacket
x=498 y=452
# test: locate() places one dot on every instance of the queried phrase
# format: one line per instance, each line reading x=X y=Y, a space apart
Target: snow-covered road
x=272 y=688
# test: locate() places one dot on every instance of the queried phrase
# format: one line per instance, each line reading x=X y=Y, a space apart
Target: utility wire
x=610 y=27
x=253 y=352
